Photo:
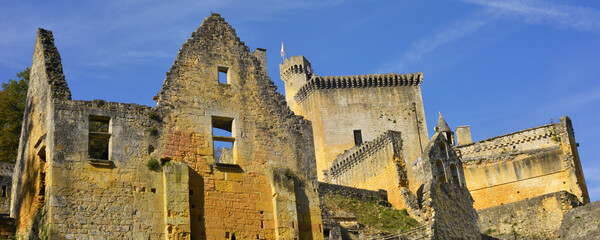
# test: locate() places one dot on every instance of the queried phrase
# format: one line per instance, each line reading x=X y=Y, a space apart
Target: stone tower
x=346 y=111
x=295 y=72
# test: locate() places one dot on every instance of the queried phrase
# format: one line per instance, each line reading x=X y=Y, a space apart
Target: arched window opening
x=440 y=172
x=454 y=172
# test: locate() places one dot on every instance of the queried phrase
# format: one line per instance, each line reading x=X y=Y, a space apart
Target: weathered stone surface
x=6 y=173
x=373 y=165
x=338 y=106
x=535 y=218
x=581 y=222
x=154 y=175
x=7 y=227
x=523 y=165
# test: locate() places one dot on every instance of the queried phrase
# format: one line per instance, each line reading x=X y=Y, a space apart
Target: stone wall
x=338 y=106
x=442 y=202
x=523 y=165
x=373 y=165
x=6 y=174
x=452 y=213
x=364 y=194
x=46 y=84
x=581 y=222
x=535 y=218
x=115 y=198
x=271 y=181
x=7 y=227
x=155 y=175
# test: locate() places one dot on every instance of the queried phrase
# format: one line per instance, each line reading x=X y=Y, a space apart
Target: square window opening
x=99 y=137
x=223 y=140
x=223 y=75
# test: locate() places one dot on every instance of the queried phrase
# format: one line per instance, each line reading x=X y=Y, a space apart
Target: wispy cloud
x=545 y=12
x=427 y=45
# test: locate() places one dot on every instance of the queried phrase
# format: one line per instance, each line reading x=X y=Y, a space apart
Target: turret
x=442 y=127
x=295 y=72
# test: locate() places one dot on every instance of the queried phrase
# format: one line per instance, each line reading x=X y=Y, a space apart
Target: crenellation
x=357 y=81
x=161 y=172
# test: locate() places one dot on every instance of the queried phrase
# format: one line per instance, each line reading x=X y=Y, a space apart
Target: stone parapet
x=527 y=139
x=352 y=158
x=535 y=218
x=358 y=81
x=364 y=194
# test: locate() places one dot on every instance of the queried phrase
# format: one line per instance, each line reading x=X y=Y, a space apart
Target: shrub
x=153 y=165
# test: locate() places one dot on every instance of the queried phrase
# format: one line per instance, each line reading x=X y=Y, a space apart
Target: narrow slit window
x=99 y=137
x=357 y=137
x=223 y=140
x=3 y=191
x=223 y=75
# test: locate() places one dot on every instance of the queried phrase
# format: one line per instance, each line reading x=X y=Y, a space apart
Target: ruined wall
x=523 y=165
x=452 y=212
x=535 y=218
x=268 y=191
x=581 y=222
x=6 y=174
x=373 y=165
x=115 y=198
x=7 y=227
x=46 y=84
x=373 y=104
x=442 y=201
x=358 y=193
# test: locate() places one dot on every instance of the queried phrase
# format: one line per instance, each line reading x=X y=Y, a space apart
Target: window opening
x=440 y=173
x=99 y=137
x=454 y=172
x=357 y=137
x=3 y=191
x=223 y=75
x=223 y=140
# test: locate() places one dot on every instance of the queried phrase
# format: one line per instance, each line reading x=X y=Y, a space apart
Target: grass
x=375 y=217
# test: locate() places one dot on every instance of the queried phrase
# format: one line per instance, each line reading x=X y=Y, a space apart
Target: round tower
x=295 y=72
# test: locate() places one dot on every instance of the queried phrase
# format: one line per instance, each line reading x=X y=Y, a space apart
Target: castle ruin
x=112 y=170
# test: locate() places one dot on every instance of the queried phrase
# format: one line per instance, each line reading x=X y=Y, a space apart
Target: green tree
x=12 y=108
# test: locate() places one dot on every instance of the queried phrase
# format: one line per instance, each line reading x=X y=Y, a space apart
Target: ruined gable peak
x=47 y=63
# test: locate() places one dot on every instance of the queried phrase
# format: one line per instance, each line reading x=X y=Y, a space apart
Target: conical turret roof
x=442 y=126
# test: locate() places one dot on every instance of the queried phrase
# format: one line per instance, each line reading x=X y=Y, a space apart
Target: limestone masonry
x=223 y=155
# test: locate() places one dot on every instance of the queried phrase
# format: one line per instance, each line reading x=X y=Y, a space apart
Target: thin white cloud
x=427 y=45
x=545 y=12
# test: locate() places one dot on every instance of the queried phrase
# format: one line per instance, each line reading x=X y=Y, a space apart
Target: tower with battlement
x=295 y=72
x=346 y=111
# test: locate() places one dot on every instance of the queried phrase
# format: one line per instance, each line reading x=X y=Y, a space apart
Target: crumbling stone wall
x=271 y=183
x=373 y=165
x=340 y=105
x=442 y=202
x=155 y=175
x=7 y=227
x=46 y=84
x=523 y=165
x=581 y=222
x=115 y=198
x=6 y=174
x=535 y=218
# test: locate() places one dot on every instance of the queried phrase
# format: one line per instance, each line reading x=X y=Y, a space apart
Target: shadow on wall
x=303 y=206
x=196 y=195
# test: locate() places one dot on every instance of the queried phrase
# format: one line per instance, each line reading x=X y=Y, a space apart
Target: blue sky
x=498 y=66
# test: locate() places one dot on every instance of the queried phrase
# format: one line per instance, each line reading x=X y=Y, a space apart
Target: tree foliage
x=12 y=107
